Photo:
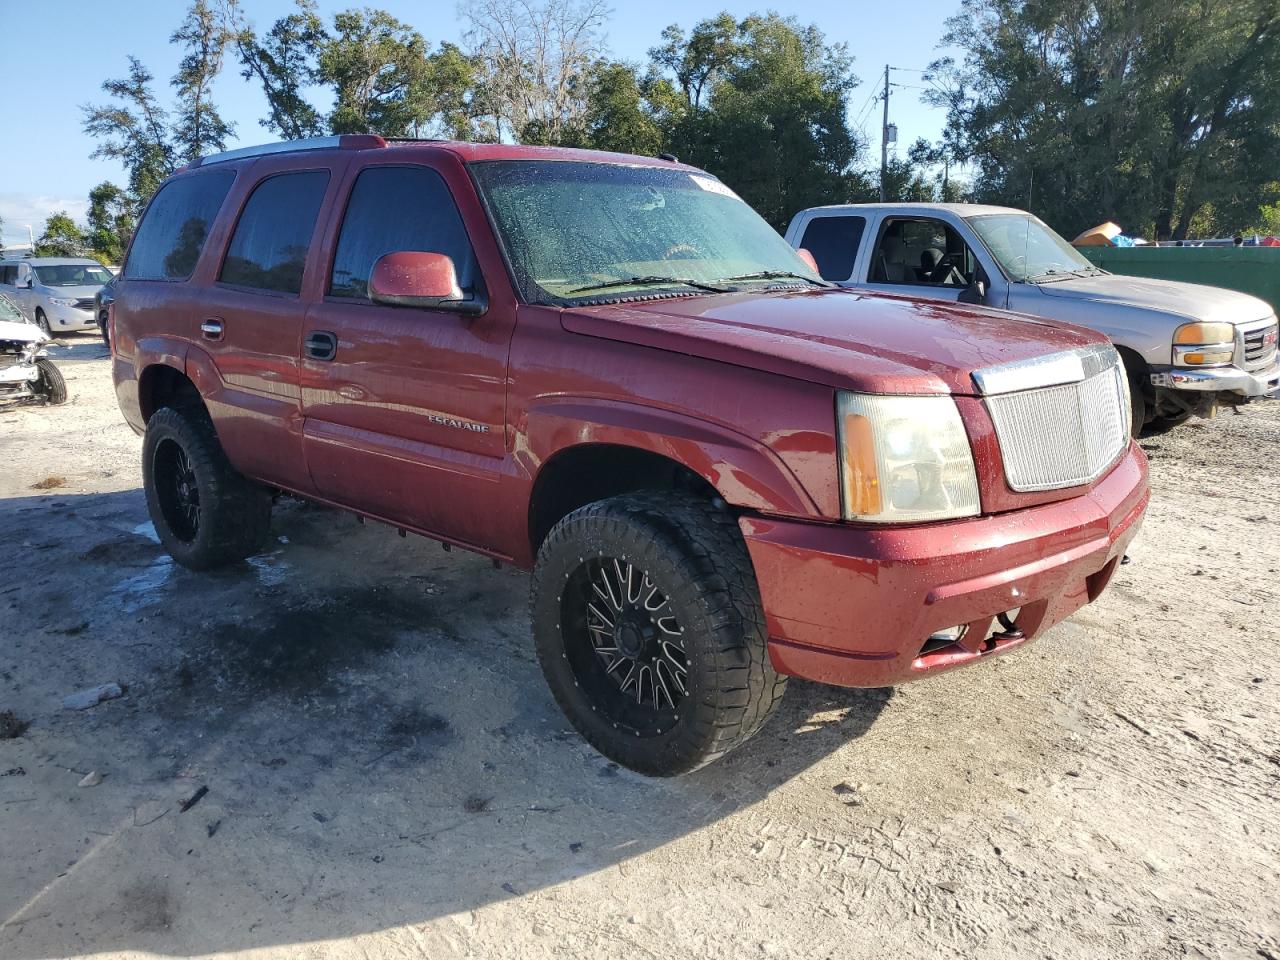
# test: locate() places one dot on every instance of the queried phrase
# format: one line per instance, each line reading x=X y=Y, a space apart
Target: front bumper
x=1256 y=383
x=70 y=318
x=18 y=380
x=854 y=606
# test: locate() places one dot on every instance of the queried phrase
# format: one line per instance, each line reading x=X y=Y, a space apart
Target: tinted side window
x=269 y=246
x=172 y=233
x=8 y=274
x=393 y=209
x=833 y=241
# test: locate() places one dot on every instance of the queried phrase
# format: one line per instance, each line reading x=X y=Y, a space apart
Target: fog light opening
x=1009 y=621
x=943 y=638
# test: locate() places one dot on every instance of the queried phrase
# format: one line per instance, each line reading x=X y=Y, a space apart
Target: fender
x=743 y=471
x=134 y=377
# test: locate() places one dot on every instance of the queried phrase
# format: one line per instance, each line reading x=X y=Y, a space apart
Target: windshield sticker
x=713 y=186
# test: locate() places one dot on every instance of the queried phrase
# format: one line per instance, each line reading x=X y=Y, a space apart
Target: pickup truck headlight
x=1204 y=345
x=63 y=301
x=904 y=459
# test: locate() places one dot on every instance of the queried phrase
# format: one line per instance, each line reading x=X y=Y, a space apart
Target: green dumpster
x=1254 y=270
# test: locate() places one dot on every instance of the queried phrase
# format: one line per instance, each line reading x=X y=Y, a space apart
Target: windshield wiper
x=1050 y=274
x=650 y=281
x=775 y=275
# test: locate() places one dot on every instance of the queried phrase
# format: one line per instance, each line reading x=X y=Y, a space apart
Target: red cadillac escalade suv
x=721 y=470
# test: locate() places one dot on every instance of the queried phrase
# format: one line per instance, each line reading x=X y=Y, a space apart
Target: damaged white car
x=26 y=372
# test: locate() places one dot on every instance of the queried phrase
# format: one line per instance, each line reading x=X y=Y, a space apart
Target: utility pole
x=884 y=137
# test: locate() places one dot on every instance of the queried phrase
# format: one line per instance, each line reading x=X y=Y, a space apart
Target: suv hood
x=1193 y=301
x=12 y=330
x=847 y=339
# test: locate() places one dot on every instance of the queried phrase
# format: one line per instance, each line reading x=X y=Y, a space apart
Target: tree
x=134 y=129
x=198 y=127
x=765 y=109
x=536 y=59
x=624 y=112
x=61 y=238
x=284 y=62
x=111 y=220
x=1156 y=115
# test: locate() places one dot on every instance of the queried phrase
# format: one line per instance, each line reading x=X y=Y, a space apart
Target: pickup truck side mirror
x=416 y=278
x=975 y=292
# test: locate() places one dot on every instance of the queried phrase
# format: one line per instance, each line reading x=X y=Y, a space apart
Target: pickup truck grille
x=1259 y=346
x=1062 y=421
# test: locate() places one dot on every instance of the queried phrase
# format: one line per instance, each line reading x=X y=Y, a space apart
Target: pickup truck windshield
x=578 y=231
x=1029 y=251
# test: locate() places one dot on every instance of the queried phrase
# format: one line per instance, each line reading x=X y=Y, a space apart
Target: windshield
x=9 y=313
x=1027 y=249
x=73 y=275
x=582 y=231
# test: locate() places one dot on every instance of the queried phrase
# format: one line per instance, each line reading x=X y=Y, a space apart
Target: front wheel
x=43 y=322
x=102 y=329
x=649 y=629
x=206 y=514
x=51 y=384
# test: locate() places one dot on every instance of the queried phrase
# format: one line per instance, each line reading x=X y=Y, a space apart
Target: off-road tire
x=43 y=322
x=51 y=385
x=694 y=552
x=234 y=513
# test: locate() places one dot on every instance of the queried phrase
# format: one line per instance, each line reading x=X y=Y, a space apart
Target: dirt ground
x=387 y=775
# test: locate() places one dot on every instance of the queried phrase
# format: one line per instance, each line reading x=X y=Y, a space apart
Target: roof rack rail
x=346 y=141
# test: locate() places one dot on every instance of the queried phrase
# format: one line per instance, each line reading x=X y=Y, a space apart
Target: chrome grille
x=84 y=303
x=1068 y=428
x=1259 y=346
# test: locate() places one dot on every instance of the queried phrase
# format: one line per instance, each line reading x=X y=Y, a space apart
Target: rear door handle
x=321 y=345
x=212 y=329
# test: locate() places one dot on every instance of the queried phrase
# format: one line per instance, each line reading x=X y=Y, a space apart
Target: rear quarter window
x=176 y=225
x=834 y=242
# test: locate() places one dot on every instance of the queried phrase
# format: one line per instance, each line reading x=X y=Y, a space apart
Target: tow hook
x=1010 y=631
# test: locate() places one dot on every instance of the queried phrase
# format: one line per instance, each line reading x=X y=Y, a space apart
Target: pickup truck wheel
x=51 y=385
x=649 y=630
x=1138 y=405
x=206 y=514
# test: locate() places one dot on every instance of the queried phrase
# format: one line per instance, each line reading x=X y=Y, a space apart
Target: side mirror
x=975 y=292
x=415 y=278
x=810 y=262
x=23 y=283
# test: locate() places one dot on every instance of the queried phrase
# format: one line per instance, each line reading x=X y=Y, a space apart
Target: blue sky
x=44 y=159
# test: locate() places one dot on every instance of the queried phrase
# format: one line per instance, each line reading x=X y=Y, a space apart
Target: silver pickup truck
x=1187 y=348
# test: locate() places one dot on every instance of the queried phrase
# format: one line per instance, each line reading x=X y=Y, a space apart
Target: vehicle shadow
x=77 y=347
x=376 y=740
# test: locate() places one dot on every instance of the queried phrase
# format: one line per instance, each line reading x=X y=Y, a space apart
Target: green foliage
x=765 y=109
x=198 y=128
x=133 y=129
x=111 y=220
x=378 y=69
x=284 y=62
x=61 y=238
x=1149 y=113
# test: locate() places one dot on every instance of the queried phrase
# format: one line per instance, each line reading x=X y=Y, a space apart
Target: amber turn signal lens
x=861 y=481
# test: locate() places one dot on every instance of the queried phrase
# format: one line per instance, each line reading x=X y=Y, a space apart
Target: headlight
x=904 y=459
x=1204 y=345
x=63 y=301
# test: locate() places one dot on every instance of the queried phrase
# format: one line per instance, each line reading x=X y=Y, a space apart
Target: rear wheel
x=206 y=514
x=649 y=630
x=51 y=384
